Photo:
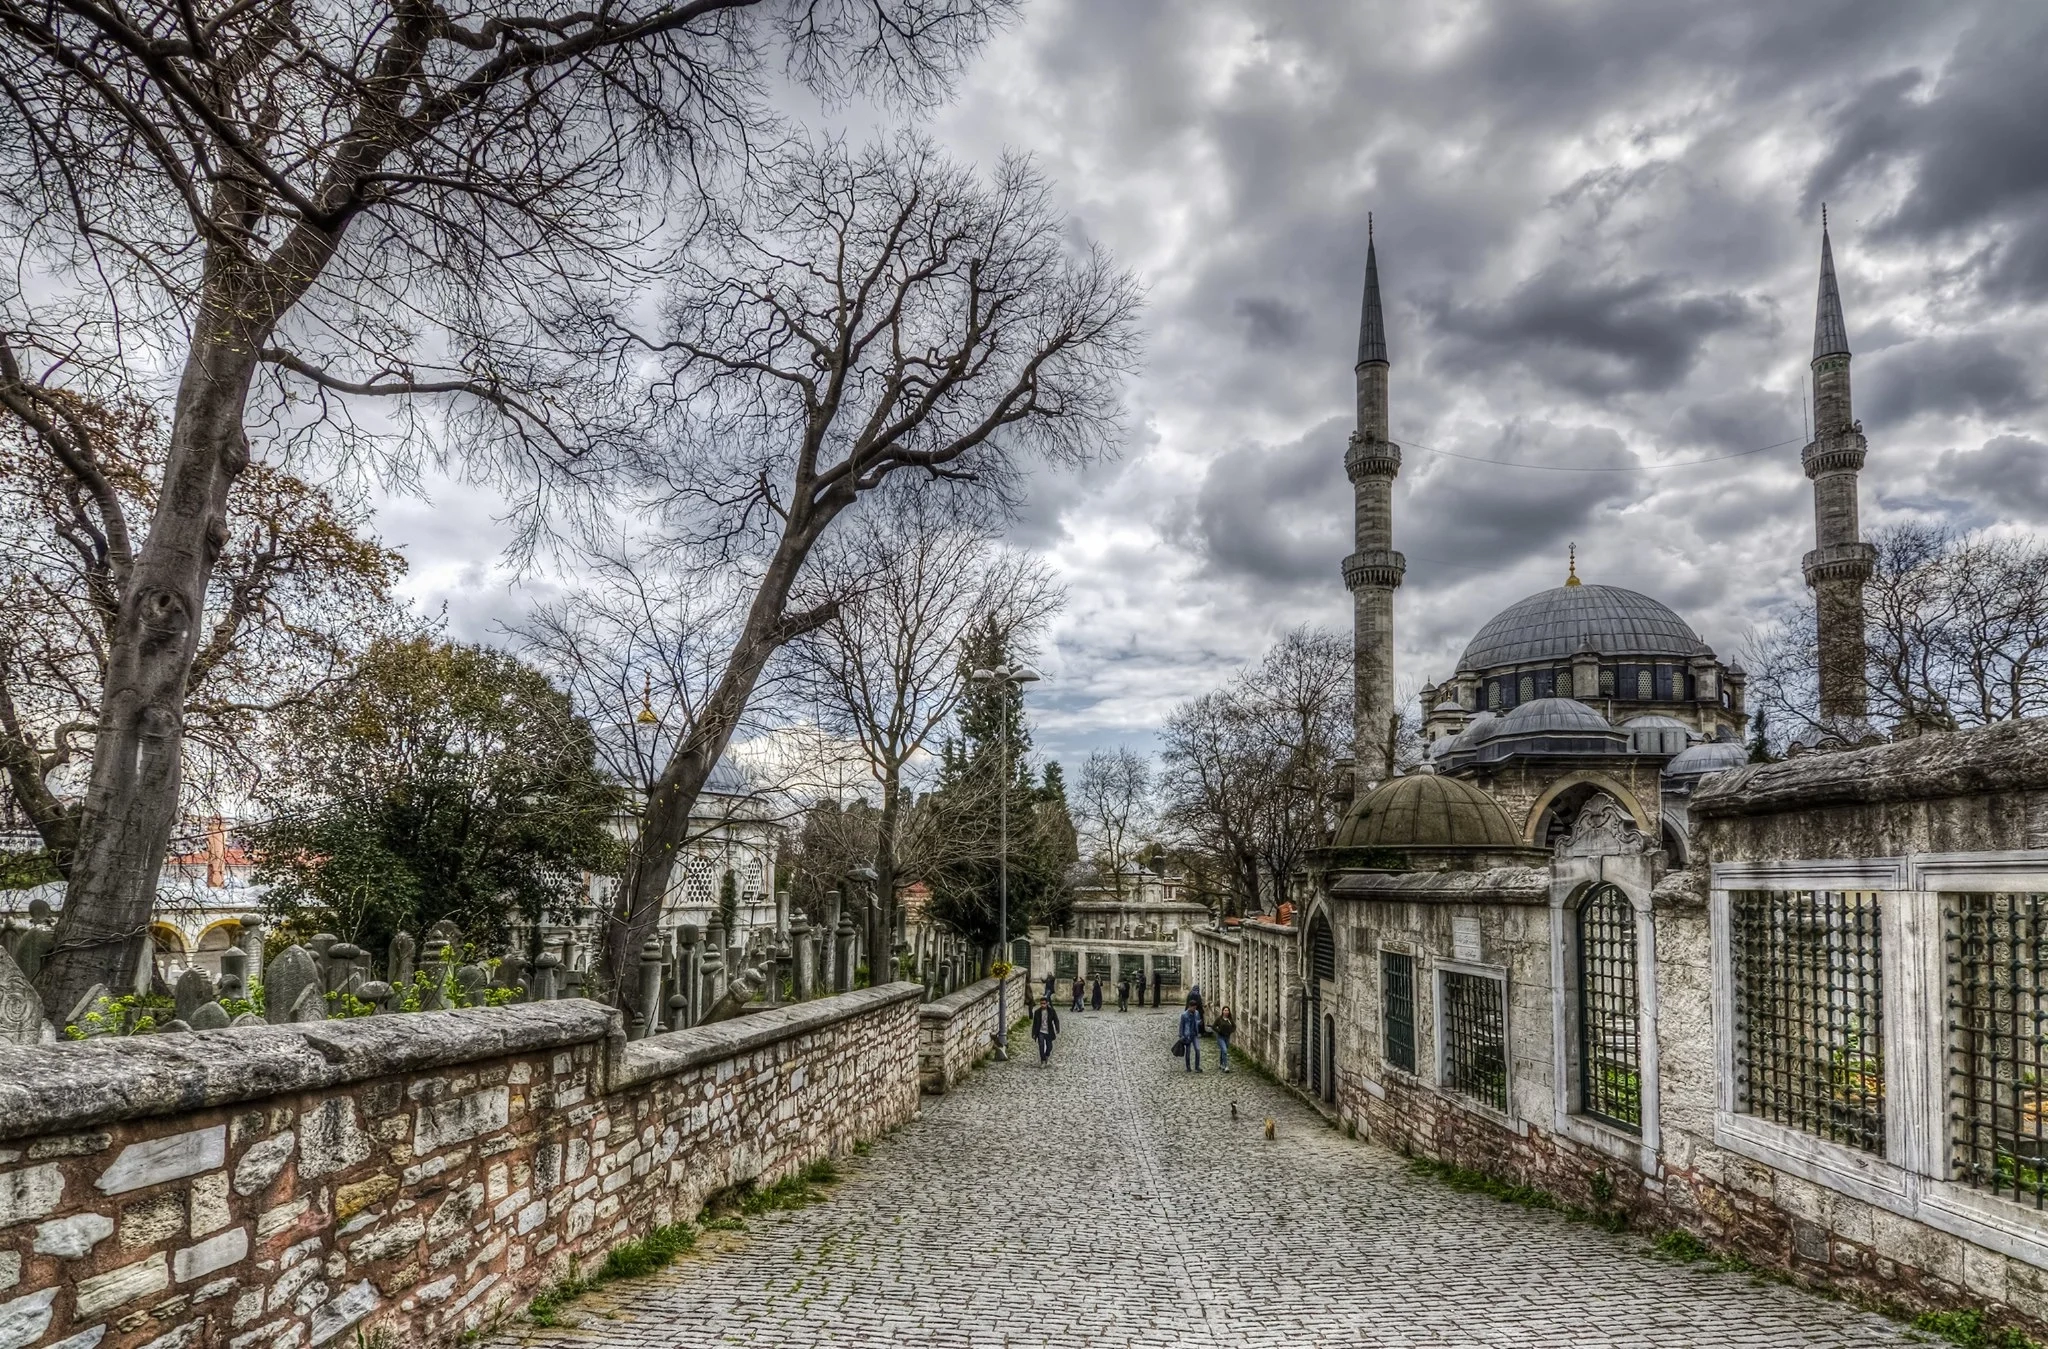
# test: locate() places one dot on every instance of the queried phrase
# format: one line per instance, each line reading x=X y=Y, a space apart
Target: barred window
x=1526 y=689
x=1397 y=1001
x=1098 y=964
x=1066 y=964
x=1809 y=1012
x=1493 y=695
x=1998 y=1008
x=1606 y=683
x=1646 y=685
x=1610 y=1062
x=1475 y=1037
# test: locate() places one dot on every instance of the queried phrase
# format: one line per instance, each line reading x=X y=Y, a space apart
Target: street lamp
x=1006 y=677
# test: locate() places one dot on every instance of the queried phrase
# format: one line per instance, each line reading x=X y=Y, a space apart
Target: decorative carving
x=1602 y=829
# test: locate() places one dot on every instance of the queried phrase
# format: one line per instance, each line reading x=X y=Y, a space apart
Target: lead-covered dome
x=1424 y=810
x=1552 y=715
x=1558 y=623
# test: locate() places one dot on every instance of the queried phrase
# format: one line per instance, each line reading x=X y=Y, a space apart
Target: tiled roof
x=1558 y=623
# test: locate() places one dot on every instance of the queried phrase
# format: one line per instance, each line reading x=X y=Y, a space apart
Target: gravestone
x=472 y=980
x=402 y=949
x=291 y=974
x=31 y=949
x=21 y=1012
x=512 y=973
x=546 y=967
x=448 y=934
x=251 y=937
x=194 y=990
x=378 y=994
x=249 y=1019
x=310 y=1005
x=234 y=965
x=95 y=1000
x=208 y=1016
x=342 y=971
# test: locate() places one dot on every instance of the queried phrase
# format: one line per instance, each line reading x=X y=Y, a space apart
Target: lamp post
x=1005 y=678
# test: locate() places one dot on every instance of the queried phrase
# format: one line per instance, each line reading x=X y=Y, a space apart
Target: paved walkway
x=1110 y=1199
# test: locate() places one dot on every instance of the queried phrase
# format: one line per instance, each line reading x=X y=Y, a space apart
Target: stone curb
x=680 y=1051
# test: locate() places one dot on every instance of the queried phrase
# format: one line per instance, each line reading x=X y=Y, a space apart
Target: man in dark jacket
x=1080 y=992
x=1225 y=1026
x=1045 y=1025
x=1123 y=994
x=1048 y=985
x=1191 y=1040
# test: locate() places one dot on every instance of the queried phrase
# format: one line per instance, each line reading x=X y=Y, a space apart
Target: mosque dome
x=1716 y=756
x=1424 y=810
x=1555 y=624
x=1553 y=715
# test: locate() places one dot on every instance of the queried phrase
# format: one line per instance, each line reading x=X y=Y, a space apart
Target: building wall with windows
x=1823 y=1047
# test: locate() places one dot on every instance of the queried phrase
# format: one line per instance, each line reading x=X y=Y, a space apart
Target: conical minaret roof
x=1372 y=329
x=1830 y=334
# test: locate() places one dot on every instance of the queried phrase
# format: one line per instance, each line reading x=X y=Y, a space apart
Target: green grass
x=1970 y=1330
x=1528 y=1196
x=1680 y=1245
x=629 y=1261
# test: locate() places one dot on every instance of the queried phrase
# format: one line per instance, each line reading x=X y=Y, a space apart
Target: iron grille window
x=1610 y=1061
x=1397 y=998
x=1809 y=1012
x=1998 y=1024
x=1475 y=1038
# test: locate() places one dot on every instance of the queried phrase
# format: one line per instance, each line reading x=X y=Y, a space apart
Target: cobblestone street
x=1111 y=1199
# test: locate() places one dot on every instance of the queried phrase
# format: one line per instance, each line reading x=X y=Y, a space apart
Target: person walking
x=1048 y=988
x=1123 y=994
x=1195 y=1001
x=1191 y=1039
x=1080 y=992
x=1045 y=1026
x=1095 y=996
x=1225 y=1026
x=1156 y=981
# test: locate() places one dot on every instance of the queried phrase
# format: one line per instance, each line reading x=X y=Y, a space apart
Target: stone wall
x=406 y=1177
x=1267 y=998
x=954 y=1031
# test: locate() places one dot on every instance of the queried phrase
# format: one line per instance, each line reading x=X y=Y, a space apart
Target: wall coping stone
x=1277 y=929
x=59 y=1088
x=942 y=1009
x=1495 y=885
x=2011 y=756
x=680 y=1051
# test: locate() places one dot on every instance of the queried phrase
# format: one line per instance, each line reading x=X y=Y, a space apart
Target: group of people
x=1194 y=1022
x=1088 y=993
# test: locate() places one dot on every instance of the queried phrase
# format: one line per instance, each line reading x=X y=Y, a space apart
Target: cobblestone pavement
x=1111 y=1199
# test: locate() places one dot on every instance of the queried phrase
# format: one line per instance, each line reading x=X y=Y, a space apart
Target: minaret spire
x=1374 y=571
x=1840 y=562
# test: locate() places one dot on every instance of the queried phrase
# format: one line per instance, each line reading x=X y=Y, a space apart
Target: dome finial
x=647 y=717
x=1572 y=562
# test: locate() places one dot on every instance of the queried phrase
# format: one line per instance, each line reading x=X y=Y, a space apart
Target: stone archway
x=1563 y=799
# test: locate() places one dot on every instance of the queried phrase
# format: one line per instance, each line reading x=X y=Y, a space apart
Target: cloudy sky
x=1598 y=230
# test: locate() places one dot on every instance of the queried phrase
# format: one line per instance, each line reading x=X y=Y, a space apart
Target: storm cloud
x=1598 y=239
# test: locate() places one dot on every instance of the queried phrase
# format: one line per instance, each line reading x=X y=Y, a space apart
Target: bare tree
x=1251 y=769
x=1115 y=800
x=862 y=314
x=886 y=671
x=1956 y=627
x=301 y=205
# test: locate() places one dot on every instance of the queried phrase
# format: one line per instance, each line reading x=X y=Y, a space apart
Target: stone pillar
x=800 y=951
x=647 y=1007
x=689 y=973
x=251 y=939
x=842 y=955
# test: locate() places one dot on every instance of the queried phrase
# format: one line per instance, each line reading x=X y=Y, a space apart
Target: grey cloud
x=1593 y=335
x=1459 y=514
x=2006 y=478
x=1970 y=375
x=1276 y=515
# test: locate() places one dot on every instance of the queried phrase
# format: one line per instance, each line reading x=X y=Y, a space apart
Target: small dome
x=1559 y=623
x=1552 y=714
x=1716 y=756
x=1449 y=705
x=1655 y=721
x=1425 y=810
x=1480 y=727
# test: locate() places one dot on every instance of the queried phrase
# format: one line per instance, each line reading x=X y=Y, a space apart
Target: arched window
x=1646 y=685
x=1492 y=695
x=1610 y=1061
x=1527 y=689
x=1606 y=682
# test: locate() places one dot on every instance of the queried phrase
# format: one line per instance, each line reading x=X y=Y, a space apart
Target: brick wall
x=408 y=1177
x=953 y=1032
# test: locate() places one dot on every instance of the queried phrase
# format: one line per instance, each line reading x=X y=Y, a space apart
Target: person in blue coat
x=1191 y=1037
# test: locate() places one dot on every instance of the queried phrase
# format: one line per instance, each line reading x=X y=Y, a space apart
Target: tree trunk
x=665 y=820
x=131 y=802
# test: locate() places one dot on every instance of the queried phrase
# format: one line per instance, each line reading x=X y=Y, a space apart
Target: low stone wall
x=953 y=1032
x=405 y=1177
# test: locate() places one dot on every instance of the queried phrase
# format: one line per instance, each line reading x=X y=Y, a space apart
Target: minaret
x=1840 y=562
x=1373 y=572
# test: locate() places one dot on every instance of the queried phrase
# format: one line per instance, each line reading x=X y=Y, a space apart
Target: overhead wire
x=1584 y=468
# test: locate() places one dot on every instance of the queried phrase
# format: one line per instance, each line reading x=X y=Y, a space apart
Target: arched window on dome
x=1526 y=692
x=1646 y=686
x=1606 y=681
x=1493 y=695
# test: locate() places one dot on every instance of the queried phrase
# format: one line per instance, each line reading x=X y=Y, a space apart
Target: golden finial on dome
x=647 y=717
x=1572 y=553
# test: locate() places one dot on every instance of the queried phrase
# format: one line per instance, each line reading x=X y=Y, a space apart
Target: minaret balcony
x=1374 y=569
x=1371 y=458
x=1836 y=452
x=1840 y=562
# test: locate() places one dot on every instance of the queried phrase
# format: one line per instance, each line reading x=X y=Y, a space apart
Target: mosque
x=1584 y=696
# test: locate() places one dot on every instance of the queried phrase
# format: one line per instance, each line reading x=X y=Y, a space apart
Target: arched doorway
x=169 y=952
x=1322 y=968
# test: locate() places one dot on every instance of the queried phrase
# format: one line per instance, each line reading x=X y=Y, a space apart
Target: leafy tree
x=965 y=811
x=442 y=781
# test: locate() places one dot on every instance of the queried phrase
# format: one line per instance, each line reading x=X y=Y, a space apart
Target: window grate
x=1475 y=1038
x=1397 y=997
x=1610 y=1061
x=1997 y=1026
x=1809 y=1012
